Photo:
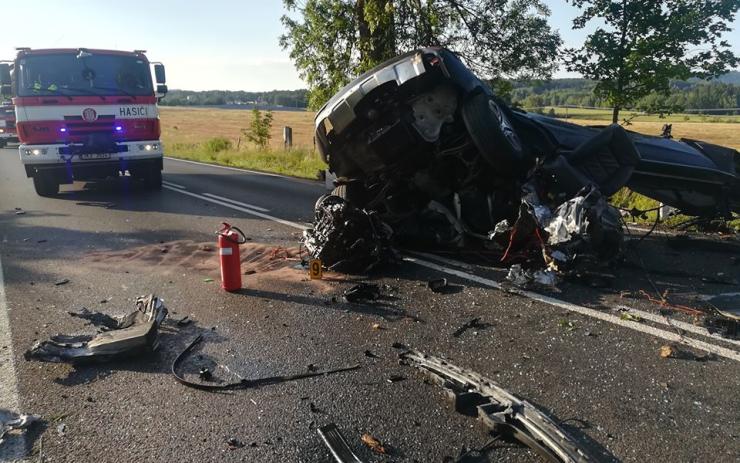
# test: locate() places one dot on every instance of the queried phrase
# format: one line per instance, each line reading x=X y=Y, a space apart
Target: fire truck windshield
x=89 y=74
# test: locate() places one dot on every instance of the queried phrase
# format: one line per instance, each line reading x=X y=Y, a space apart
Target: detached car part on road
x=502 y=412
x=136 y=333
x=424 y=146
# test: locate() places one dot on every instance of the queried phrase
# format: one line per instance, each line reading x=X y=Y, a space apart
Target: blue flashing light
x=119 y=128
x=63 y=129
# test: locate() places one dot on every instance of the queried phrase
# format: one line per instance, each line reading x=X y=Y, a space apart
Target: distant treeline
x=274 y=98
x=723 y=93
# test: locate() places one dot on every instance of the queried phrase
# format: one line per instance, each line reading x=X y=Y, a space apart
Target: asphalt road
x=575 y=355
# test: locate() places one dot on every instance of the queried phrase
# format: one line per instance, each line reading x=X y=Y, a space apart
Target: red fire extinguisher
x=229 y=239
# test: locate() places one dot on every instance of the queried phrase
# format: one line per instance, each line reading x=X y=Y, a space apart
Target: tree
x=259 y=128
x=331 y=41
x=642 y=45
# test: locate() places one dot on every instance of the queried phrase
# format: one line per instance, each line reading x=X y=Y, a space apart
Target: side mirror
x=159 y=74
x=4 y=74
x=161 y=90
x=5 y=80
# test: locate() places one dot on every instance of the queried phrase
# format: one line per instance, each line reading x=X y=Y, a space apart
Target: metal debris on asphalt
x=362 y=292
x=499 y=410
x=62 y=282
x=337 y=444
x=11 y=422
x=134 y=334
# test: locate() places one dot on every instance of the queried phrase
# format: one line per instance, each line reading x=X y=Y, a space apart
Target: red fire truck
x=84 y=114
x=7 y=124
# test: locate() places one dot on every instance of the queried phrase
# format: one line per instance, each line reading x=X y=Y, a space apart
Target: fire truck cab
x=84 y=114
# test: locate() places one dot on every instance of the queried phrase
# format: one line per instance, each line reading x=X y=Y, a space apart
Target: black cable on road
x=244 y=383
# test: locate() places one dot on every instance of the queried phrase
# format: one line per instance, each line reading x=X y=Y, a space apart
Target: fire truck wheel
x=45 y=186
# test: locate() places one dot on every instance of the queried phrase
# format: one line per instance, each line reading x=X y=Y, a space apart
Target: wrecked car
x=426 y=147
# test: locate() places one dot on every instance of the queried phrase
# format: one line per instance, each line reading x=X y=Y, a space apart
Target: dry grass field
x=194 y=126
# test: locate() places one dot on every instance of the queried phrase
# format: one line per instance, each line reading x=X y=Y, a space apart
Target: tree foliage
x=330 y=41
x=642 y=45
x=259 y=128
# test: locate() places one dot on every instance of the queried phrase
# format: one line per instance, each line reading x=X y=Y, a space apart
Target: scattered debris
x=347 y=239
x=205 y=374
x=234 y=443
x=438 y=285
x=244 y=383
x=62 y=282
x=667 y=351
x=184 y=321
x=61 y=429
x=624 y=315
x=673 y=352
x=374 y=444
x=207 y=280
x=20 y=212
x=499 y=410
x=362 y=292
x=370 y=355
x=395 y=378
x=337 y=444
x=473 y=323
x=377 y=326
x=14 y=422
x=134 y=334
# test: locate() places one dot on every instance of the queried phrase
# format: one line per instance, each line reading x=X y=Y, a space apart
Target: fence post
x=288 y=137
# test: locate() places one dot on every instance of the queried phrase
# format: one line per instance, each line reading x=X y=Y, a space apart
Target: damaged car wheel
x=492 y=133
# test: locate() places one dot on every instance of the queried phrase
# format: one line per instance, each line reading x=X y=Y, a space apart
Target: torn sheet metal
x=500 y=410
x=134 y=334
x=346 y=238
x=337 y=444
x=14 y=422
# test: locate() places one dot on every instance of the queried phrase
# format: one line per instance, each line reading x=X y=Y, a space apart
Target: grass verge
x=627 y=199
x=298 y=162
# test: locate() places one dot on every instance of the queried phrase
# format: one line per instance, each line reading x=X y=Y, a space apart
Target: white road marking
x=238 y=203
x=14 y=448
x=668 y=336
x=176 y=185
x=238 y=208
x=678 y=324
x=441 y=259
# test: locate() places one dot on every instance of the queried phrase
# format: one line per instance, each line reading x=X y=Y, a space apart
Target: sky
x=205 y=45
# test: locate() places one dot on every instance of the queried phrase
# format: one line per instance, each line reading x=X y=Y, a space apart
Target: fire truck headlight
x=35 y=151
x=149 y=147
x=2 y=130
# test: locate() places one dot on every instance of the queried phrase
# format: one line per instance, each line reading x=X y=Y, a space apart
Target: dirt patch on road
x=261 y=264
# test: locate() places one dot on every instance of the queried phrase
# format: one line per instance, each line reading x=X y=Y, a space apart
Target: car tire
x=492 y=133
x=45 y=186
x=353 y=192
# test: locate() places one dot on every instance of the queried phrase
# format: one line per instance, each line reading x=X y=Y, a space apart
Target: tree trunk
x=615 y=115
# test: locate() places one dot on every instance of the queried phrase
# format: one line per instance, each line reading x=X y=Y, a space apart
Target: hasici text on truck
x=84 y=114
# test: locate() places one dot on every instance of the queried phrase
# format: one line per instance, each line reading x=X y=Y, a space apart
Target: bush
x=217 y=144
x=259 y=129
